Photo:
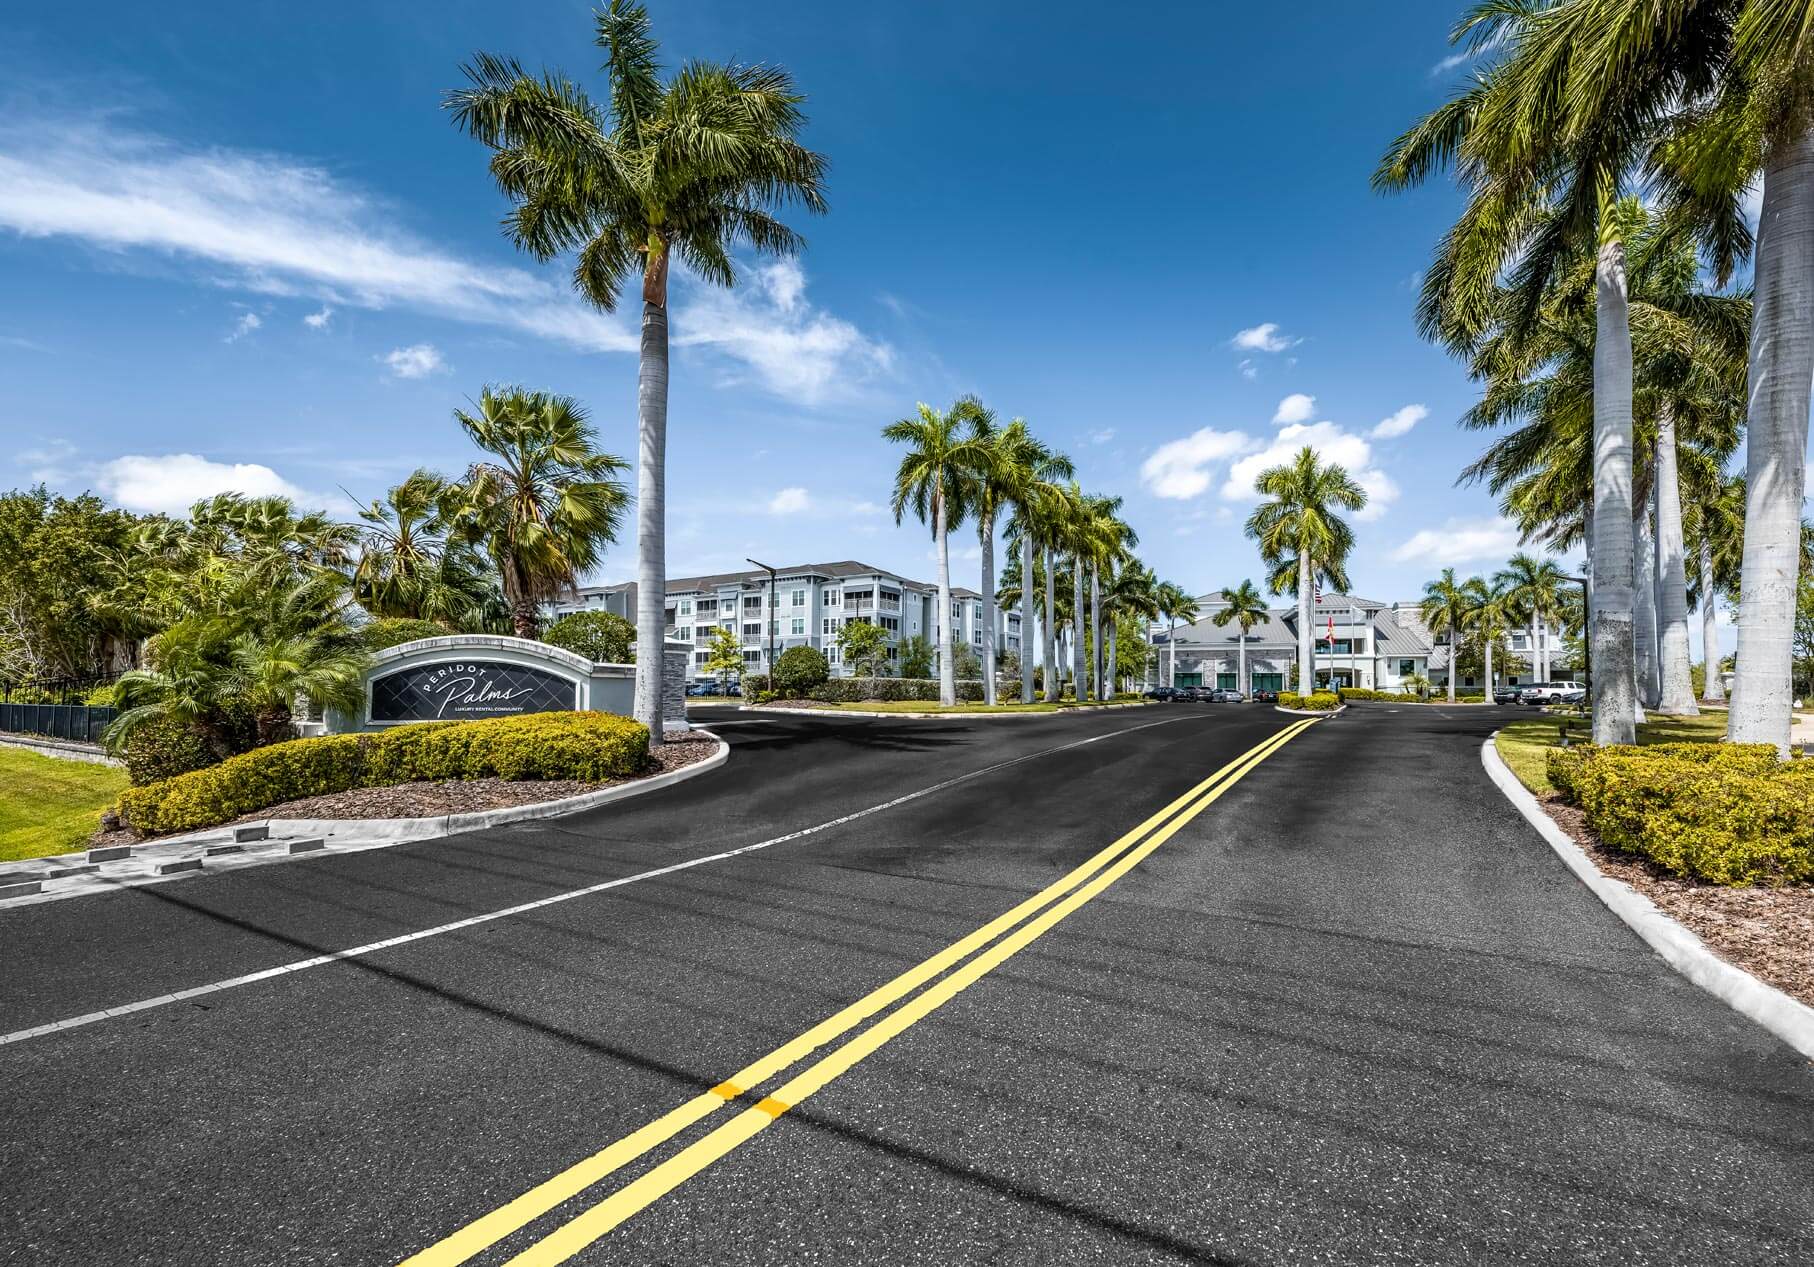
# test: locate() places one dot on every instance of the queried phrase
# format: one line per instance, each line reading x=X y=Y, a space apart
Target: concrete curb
x=851 y=712
x=296 y=838
x=64 y=750
x=1310 y=712
x=1787 y=1018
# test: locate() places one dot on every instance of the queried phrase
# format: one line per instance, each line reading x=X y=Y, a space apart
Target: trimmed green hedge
x=590 y=747
x=1321 y=701
x=888 y=690
x=1728 y=813
x=1349 y=693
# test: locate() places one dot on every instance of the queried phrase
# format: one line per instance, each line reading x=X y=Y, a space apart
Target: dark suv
x=1506 y=694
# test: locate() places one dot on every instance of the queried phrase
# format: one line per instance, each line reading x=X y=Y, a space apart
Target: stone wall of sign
x=464 y=677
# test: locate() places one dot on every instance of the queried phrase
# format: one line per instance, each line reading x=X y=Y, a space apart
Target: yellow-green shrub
x=1728 y=813
x=589 y=747
x=1319 y=702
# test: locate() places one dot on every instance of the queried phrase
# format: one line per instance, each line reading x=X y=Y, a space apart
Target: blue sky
x=241 y=245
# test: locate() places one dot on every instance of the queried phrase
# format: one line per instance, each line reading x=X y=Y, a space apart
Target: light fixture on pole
x=771 y=620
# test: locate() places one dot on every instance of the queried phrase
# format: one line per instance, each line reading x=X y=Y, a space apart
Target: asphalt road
x=1345 y=1008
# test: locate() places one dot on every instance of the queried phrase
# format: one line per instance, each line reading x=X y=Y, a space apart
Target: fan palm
x=411 y=567
x=544 y=505
x=692 y=167
x=1175 y=605
x=934 y=481
x=1302 y=537
x=1246 y=607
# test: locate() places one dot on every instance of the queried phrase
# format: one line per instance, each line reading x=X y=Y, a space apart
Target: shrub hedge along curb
x=588 y=747
x=1321 y=701
x=1728 y=813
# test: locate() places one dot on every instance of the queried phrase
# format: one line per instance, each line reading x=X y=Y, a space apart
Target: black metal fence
x=58 y=721
x=55 y=707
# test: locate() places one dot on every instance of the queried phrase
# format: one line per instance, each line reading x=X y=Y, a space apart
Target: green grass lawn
x=1523 y=743
x=49 y=805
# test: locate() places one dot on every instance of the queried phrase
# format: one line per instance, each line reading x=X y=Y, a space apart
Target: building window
x=799 y=625
x=828 y=626
x=752 y=629
x=1407 y=668
x=750 y=656
x=833 y=597
x=752 y=602
x=797 y=599
x=683 y=635
x=891 y=623
x=700 y=657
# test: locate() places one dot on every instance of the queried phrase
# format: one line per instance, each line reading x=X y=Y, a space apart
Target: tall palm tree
x=1445 y=613
x=411 y=566
x=989 y=484
x=1132 y=592
x=1108 y=542
x=1718 y=526
x=1246 y=607
x=1031 y=470
x=1531 y=590
x=934 y=481
x=692 y=167
x=544 y=504
x=1301 y=537
x=1175 y=605
x=1485 y=620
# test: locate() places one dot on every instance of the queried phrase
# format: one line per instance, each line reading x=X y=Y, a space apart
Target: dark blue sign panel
x=460 y=690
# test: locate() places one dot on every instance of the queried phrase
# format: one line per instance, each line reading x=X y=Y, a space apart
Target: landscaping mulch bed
x=1767 y=932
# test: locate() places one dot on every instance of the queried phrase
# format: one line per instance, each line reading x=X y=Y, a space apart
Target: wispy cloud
x=16 y=341
x=418 y=360
x=1264 y=337
x=248 y=322
x=1399 y=423
x=789 y=501
x=1181 y=469
x=1296 y=407
x=1100 y=436
x=1461 y=541
x=1450 y=62
x=318 y=320
x=1248 y=368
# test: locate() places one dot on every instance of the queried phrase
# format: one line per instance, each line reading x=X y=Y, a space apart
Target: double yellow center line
x=1016 y=929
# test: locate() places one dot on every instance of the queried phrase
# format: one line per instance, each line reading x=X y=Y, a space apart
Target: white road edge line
x=89 y=1018
x=1787 y=1018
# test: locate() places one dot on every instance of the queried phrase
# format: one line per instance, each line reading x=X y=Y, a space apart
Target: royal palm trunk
x=987 y=608
x=1713 y=687
x=1673 y=655
x=1109 y=682
x=1776 y=440
x=1306 y=669
x=1615 y=699
x=1096 y=689
x=1644 y=611
x=1050 y=633
x=651 y=501
x=1079 y=684
x=1026 y=618
x=947 y=670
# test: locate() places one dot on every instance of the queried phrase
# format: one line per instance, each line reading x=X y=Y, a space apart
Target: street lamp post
x=771 y=620
x=1587 y=642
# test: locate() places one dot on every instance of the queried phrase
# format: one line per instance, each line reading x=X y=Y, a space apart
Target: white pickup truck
x=1548 y=692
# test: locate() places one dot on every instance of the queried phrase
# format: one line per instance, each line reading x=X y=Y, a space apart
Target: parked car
x=1192 y=694
x=1548 y=692
x=702 y=688
x=1507 y=694
x=1227 y=695
x=1578 y=695
x=1162 y=694
x=1265 y=697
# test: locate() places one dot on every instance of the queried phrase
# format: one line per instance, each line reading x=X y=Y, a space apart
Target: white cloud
x=1296 y=407
x=1332 y=444
x=172 y=482
x=1264 y=337
x=268 y=223
x=1180 y=469
x=1248 y=368
x=1461 y=541
x=248 y=322
x=789 y=501
x=1450 y=62
x=418 y=360
x=1102 y=436
x=319 y=320
x=1399 y=423
x=794 y=349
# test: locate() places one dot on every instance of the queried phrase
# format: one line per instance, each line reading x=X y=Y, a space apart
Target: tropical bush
x=164 y=747
x=798 y=670
x=590 y=747
x=599 y=636
x=1728 y=813
x=1320 y=701
x=1351 y=693
x=855 y=690
x=394 y=631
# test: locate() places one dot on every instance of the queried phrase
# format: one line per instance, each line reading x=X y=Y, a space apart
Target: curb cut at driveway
x=1785 y=1017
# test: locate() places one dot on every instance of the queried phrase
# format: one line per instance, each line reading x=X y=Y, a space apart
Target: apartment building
x=1376 y=646
x=806 y=608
